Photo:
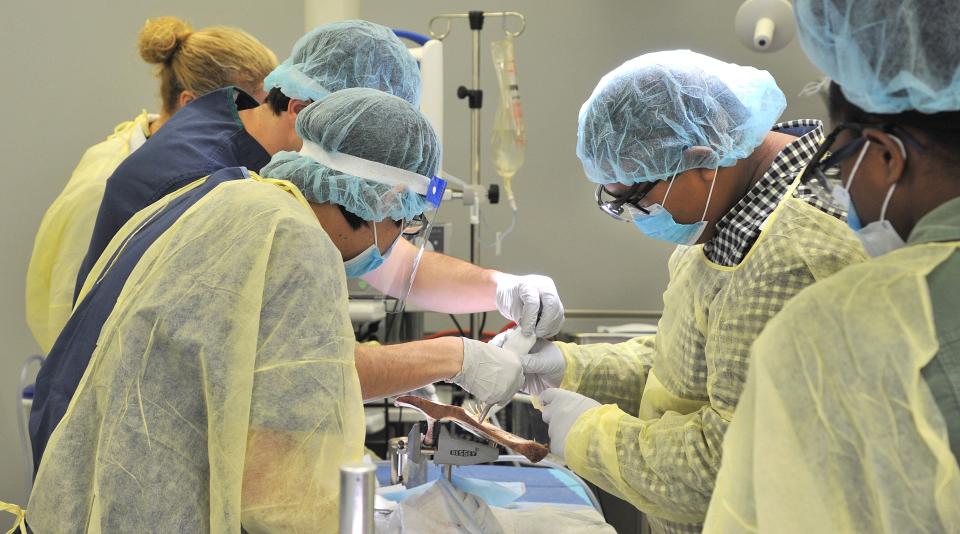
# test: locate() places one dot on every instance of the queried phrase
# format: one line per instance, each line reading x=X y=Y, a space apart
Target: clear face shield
x=401 y=274
x=417 y=232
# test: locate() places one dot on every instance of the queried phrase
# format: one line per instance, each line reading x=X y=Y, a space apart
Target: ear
x=296 y=106
x=701 y=174
x=701 y=153
x=892 y=150
x=695 y=155
x=707 y=175
x=185 y=98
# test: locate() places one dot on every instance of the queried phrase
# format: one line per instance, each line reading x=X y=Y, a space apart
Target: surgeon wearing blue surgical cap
x=687 y=149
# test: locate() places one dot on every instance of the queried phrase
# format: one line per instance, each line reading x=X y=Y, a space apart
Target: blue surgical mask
x=878 y=237
x=370 y=259
x=842 y=196
x=660 y=224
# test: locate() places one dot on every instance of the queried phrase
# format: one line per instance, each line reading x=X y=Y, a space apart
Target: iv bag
x=509 y=138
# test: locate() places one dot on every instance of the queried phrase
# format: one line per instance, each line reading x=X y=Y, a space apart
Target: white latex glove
x=489 y=373
x=523 y=299
x=499 y=339
x=514 y=341
x=543 y=368
x=561 y=409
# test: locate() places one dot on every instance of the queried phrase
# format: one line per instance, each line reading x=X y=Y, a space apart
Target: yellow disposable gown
x=222 y=393
x=669 y=397
x=65 y=231
x=837 y=431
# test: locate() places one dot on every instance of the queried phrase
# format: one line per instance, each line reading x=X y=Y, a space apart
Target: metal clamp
x=443 y=449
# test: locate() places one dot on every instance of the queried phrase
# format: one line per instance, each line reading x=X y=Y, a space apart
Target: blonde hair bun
x=161 y=37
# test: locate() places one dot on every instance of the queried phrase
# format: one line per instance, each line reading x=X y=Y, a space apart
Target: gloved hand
x=489 y=373
x=514 y=341
x=561 y=409
x=523 y=299
x=543 y=368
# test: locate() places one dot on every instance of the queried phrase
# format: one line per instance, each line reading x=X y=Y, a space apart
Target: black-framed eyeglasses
x=413 y=227
x=613 y=206
x=825 y=159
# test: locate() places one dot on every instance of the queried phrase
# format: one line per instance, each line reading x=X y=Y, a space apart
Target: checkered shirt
x=738 y=230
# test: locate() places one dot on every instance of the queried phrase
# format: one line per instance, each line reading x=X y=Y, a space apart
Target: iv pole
x=474 y=96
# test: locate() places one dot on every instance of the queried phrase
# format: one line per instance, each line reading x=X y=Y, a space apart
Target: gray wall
x=72 y=72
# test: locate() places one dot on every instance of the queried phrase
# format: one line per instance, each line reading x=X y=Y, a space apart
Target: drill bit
x=485 y=412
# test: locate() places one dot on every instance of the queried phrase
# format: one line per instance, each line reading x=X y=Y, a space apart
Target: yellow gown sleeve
x=661 y=452
x=663 y=466
x=306 y=417
x=609 y=373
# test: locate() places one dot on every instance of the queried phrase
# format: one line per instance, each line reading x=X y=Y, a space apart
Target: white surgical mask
x=879 y=237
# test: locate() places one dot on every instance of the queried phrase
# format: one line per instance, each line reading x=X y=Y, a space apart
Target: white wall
x=71 y=71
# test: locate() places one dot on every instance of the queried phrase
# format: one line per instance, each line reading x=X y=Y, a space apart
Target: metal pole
x=475 y=161
x=357 y=489
x=448 y=472
x=475 y=95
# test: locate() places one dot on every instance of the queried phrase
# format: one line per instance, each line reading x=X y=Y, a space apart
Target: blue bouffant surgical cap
x=367 y=124
x=887 y=56
x=668 y=112
x=352 y=53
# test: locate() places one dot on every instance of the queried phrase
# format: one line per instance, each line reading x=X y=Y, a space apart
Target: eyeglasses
x=825 y=160
x=614 y=205
x=414 y=226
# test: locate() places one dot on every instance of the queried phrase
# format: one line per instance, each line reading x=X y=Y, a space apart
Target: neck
x=925 y=195
x=733 y=183
x=348 y=241
x=751 y=170
x=266 y=128
x=748 y=171
x=161 y=120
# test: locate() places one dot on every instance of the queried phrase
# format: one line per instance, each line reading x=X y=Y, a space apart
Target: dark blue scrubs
x=61 y=372
x=200 y=139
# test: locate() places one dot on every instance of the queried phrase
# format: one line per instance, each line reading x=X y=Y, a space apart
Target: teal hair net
x=371 y=125
x=888 y=56
x=668 y=112
x=352 y=53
